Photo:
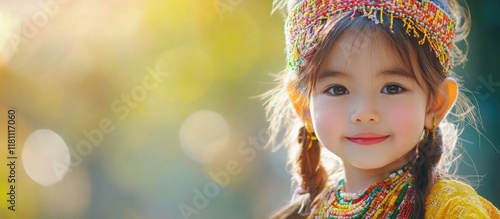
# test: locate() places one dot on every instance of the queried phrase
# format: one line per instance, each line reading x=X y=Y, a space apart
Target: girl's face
x=367 y=107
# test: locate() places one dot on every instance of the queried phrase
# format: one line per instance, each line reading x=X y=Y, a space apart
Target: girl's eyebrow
x=390 y=72
x=331 y=73
x=397 y=72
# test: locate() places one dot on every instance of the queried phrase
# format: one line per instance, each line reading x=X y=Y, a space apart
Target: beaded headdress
x=422 y=19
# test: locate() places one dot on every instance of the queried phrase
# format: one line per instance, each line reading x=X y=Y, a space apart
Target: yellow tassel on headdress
x=415 y=33
x=422 y=41
x=392 y=21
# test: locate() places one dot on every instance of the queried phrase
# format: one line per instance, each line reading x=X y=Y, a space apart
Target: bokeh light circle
x=204 y=135
x=45 y=157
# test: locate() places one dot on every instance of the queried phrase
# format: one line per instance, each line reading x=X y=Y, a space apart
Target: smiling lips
x=367 y=139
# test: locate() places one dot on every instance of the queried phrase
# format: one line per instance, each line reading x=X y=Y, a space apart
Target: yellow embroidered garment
x=453 y=199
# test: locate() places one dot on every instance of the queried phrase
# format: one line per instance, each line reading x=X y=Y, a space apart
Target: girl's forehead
x=364 y=52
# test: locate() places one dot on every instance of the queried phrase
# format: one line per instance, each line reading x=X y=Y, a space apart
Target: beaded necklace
x=391 y=198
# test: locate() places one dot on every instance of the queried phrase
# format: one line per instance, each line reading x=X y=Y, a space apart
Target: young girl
x=364 y=101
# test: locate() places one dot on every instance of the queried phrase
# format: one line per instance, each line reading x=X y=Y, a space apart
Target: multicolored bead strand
x=391 y=198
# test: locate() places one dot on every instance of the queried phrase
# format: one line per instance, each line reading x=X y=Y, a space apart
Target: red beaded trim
x=423 y=20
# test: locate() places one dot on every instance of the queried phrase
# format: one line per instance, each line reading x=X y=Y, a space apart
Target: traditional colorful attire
x=392 y=198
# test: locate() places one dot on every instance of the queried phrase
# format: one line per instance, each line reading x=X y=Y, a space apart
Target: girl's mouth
x=367 y=138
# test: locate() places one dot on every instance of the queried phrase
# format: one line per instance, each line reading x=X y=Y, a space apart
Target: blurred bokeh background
x=152 y=106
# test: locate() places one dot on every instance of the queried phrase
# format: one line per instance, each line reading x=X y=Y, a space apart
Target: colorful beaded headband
x=423 y=19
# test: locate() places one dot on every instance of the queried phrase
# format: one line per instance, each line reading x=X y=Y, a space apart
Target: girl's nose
x=365 y=113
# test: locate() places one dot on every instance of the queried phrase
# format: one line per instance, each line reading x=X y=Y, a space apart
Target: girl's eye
x=337 y=90
x=392 y=89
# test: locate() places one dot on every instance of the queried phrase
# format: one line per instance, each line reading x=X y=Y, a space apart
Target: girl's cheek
x=406 y=118
x=327 y=119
